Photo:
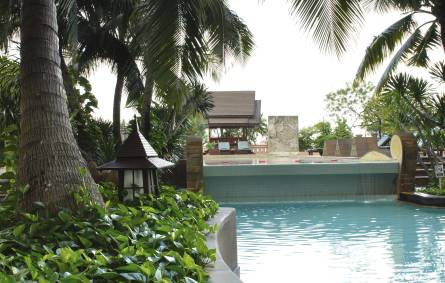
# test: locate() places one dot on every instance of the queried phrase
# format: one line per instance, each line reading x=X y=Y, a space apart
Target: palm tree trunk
x=146 y=105
x=117 y=108
x=49 y=158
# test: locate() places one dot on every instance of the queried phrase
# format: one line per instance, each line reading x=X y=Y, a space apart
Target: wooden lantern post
x=137 y=164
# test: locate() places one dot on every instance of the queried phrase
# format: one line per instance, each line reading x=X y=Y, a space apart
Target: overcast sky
x=287 y=70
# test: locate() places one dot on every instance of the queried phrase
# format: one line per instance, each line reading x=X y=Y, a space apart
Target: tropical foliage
x=316 y=135
x=364 y=109
x=409 y=40
x=349 y=102
x=9 y=92
x=432 y=190
x=173 y=115
x=148 y=240
x=422 y=105
x=175 y=42
x=151 y=55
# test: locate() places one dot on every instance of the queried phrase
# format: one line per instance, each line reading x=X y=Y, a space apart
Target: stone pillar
x=362 y=145
x=329 y=147
x=404 y=149
x=194 y=164
x=282 y=134
x=343 y=147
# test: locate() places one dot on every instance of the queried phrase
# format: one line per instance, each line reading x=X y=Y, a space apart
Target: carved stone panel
x=283 y=134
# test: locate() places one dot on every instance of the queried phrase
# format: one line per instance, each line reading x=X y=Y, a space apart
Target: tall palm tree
x=49 y=158
x=185 y=40
x=103 y=34
x=334 y=21
x=184 y=43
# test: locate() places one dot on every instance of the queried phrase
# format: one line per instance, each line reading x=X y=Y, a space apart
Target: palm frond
x=384 y=44
x=401 y=55
x=188 y=38
x=437 y=71
x=100 y=45
x=9 y=21
x=9 y=92
x=67 y=22
x=330 y=21
x=384 y=6
x=430 y=40
x=232 y=37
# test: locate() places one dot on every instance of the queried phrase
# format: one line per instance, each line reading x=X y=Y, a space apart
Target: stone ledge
x=225 y=269
x=423 y=199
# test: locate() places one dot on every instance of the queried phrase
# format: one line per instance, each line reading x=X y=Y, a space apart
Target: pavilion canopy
x=234 y=109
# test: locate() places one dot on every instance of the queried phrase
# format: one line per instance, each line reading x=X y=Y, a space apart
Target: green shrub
x=150 y=240
x=432 y=190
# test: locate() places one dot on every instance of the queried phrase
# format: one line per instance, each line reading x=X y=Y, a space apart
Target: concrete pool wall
x=236 y=182
x=225 y=269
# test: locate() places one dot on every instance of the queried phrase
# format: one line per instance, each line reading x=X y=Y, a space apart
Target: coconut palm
x=103 y=35
x=49 y=158
x=409 y=40
x=184 y=40
x=85 y=26
x=188 y=41
x=332 y=23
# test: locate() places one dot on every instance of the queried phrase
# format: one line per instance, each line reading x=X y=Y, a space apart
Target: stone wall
x=282 y=134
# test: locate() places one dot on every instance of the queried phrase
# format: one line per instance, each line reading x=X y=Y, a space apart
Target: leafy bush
x=149 y=240
x=432 y=190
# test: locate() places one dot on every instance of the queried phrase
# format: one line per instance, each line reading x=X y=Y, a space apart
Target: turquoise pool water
x=379 y=241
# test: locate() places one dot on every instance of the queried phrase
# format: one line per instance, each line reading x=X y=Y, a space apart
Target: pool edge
x=225 y=269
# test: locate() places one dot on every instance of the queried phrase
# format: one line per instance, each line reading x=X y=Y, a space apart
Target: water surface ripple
x=383 y=241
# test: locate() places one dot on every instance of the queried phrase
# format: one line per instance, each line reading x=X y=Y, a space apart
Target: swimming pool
x=356 y=241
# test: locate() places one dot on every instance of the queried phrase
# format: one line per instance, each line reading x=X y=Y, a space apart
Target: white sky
x=287 y=70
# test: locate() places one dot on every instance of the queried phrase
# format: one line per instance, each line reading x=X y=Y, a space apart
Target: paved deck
x=269 y=159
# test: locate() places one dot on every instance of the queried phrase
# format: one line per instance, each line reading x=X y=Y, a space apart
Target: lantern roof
x=136 y=153
x=136 y=146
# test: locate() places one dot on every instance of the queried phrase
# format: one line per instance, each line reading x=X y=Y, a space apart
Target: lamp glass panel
x=138 y=178
x=128 y=178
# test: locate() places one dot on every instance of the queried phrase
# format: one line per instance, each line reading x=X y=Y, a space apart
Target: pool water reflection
x=379 y=241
